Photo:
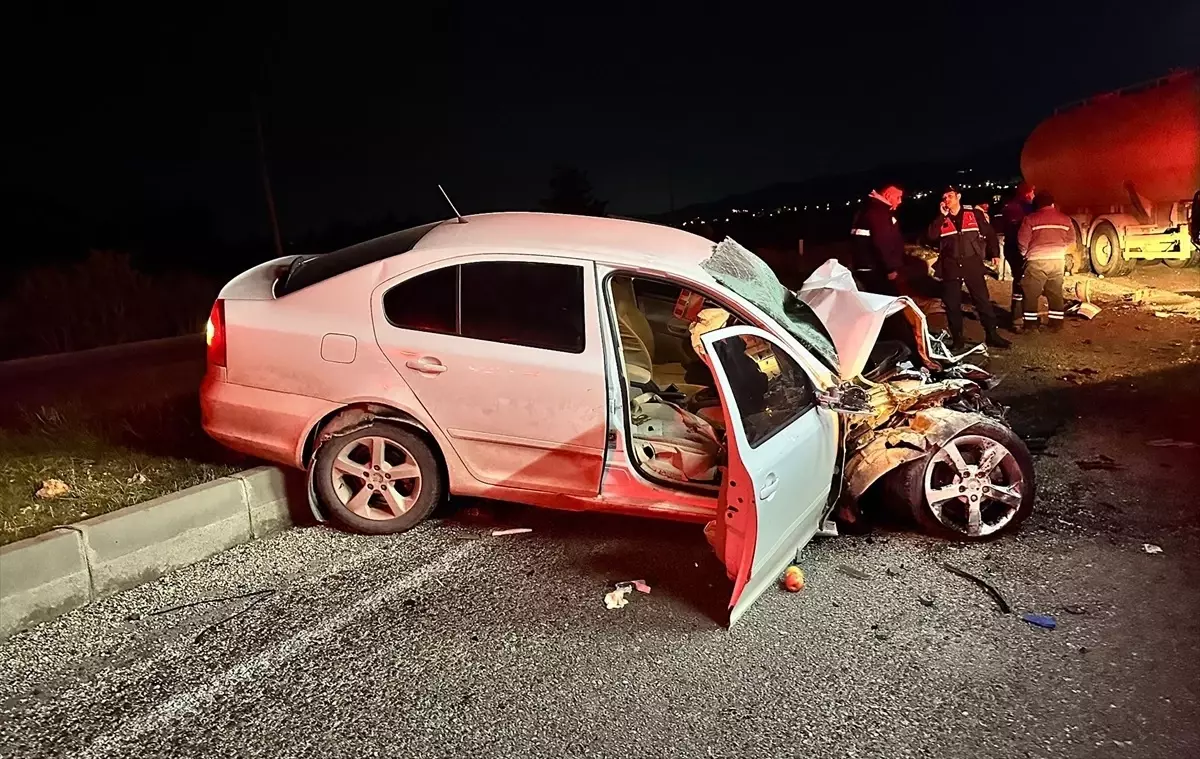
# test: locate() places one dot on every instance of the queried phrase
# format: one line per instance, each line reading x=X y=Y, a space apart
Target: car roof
x=605 y=239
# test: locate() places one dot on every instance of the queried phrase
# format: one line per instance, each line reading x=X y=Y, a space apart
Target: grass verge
x=107 y=462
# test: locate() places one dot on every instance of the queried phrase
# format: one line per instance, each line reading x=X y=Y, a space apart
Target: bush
x=102 y=300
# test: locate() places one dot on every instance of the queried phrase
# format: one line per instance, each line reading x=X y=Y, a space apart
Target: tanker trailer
x=1124 y=166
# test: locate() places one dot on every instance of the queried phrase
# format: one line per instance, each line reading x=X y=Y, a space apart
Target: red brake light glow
x=214 y=334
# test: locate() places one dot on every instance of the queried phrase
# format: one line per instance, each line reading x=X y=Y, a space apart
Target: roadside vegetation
x=105 y=461
x=100 y=300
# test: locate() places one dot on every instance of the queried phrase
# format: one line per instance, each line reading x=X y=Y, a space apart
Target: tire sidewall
x=911 y=482
x=432 y=485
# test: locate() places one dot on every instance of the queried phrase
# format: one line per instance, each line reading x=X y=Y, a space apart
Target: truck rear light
x=214 y=334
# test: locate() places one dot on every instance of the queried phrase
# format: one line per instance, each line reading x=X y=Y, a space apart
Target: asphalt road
x=449 y=642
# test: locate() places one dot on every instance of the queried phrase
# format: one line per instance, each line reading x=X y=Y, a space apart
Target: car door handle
x=769 y=487
x=426 y=365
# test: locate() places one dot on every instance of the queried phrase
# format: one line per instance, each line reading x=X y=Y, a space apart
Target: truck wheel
x=1077 y=258
x=1180 y=263
x=978 y=486
x=1107 y=257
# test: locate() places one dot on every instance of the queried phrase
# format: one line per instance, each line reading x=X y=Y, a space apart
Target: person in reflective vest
x=964 y=236
x=878 y=246
x=1045 y=237
x=1011 y=216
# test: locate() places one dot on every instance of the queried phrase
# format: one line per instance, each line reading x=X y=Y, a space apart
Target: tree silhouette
x=571 y=192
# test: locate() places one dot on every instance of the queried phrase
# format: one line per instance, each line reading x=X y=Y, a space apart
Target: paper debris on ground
x=138 y=479
x=640 y=586
x=615 y=599
x=1151 y=548
x=511 y=531
x=53 y=488
x=1169 y=443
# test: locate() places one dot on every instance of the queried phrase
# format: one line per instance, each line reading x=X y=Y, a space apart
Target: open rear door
x=782 y=450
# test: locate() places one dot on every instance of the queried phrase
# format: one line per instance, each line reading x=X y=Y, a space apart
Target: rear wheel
x=1108 y=259
x=378 y=480
x=1180 y=263
x=978 y=486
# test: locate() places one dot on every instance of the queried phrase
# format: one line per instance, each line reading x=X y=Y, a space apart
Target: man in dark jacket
x=963 y=237
x=878 y=244
x=1011 y=216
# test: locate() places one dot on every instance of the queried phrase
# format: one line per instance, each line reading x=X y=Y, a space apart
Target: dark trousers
x=1044 y=276
x=875 y=281
x=969 y=271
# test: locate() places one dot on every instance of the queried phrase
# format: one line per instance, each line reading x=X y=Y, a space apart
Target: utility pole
x=266 y=180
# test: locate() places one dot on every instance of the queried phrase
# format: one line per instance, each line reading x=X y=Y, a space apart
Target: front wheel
x=978 y=486
x=378 y=480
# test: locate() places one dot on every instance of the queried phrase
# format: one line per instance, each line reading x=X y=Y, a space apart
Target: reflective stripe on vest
x=861 y=232
x=1063 y=227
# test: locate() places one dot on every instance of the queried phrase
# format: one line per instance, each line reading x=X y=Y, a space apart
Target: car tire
x=1108 y=259
x=909 y=486
x=378 y=480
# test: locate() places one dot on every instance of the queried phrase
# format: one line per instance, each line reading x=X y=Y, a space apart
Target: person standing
x=878 y=245
x=1045 y=237
x=964 y=236
x=1011 y=216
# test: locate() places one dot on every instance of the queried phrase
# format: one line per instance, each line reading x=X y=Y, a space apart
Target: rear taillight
x=214 y=334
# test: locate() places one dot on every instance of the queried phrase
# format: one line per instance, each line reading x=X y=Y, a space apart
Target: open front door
x=782 y=450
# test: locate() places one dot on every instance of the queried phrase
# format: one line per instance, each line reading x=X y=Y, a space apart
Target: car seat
x=637 y=340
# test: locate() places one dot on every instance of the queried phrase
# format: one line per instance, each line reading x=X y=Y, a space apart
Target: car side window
x=427 y=303
x=770 y=389
x=539 y=305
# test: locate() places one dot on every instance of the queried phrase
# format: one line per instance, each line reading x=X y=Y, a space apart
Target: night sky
x=120 y=113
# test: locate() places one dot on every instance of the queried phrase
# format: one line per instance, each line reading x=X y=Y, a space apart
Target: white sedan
x=604 y=365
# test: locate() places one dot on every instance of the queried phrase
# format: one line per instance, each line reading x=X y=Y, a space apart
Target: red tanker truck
x=1125 y=166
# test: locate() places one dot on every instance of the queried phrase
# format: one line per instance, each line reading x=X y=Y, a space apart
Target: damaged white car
x=606 y=365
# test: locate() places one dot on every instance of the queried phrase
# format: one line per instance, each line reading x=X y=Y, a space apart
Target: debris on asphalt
x=1100 y=461
x=857 y=574
x=511 y=531
x=615 y=599
x=1169 y=443
x=1004 y=607
x=202 y=602
x=259 y=597
x=1151 y=548
x=893 y=571
x=1075 y=609
x=1162 y=314
x=53 y=488
x=640 y=586
x=926 y=600
x=793 y=579
x=1040 y=620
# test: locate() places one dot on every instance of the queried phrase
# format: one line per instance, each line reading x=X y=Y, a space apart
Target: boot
x=1055 y=325
x=958 y=344
x=1018 y=325
x=995 y=340
x=1017 y=310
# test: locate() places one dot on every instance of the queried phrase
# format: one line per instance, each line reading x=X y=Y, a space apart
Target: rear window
x=306 y=271
x=538 y=305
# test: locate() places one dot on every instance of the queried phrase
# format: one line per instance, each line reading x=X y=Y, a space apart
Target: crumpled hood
x=854 y=318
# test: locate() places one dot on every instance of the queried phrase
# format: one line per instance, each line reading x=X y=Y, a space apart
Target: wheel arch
x=354 y=416
x=926 y=431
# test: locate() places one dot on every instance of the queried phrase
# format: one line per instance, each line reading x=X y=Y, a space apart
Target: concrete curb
x=69 y=567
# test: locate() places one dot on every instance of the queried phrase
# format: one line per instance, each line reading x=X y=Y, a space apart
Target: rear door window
x=539 y=305
x=427 y=303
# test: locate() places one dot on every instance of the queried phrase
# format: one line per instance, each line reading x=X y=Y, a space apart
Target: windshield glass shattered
x=749 y=276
